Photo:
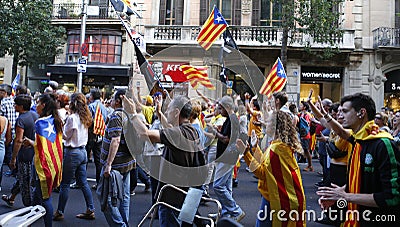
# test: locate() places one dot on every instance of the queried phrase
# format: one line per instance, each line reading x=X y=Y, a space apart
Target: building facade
x=367 y=61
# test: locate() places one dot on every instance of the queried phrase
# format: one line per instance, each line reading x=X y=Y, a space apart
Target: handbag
x=333 y=151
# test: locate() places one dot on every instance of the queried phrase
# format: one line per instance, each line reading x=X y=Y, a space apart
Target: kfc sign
x=168 y=71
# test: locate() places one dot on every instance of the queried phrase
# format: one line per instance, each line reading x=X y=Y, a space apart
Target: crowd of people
x=199 y=143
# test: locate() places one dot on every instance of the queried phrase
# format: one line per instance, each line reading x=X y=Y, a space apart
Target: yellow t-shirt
x=257 y=128
x=217 y=121
x=148 y=112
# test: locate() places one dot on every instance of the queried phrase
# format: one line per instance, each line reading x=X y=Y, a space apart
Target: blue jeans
x=168 y=217
x=46 y=203
x=74 y=166
x=263 y=216
x=223 y=190
x=138 y=173
x=119 y=215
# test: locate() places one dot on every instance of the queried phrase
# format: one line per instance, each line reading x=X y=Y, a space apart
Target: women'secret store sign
x=334 y=74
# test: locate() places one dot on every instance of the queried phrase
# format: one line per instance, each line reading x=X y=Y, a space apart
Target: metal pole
x=83 y=33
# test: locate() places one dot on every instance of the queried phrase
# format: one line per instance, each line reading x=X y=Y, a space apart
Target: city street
x=246 y=195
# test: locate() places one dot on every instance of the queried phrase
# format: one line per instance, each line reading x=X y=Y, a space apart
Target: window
x=230 y=10
x=171 y=12
x=268 y=13
x=105 y=49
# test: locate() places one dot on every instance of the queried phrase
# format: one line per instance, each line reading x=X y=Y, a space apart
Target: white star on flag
x=49 y=129
x=218 y=19
x=280 y=72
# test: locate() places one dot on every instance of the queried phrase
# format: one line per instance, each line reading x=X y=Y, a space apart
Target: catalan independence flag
x=48 y=155
x=99 y=125
x=197 y=76
x=275 y=80
x=15 y=83
x=214 y=26
x=279 y=181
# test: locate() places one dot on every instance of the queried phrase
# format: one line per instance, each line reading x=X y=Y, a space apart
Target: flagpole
x=130 y=37
x=82 y=41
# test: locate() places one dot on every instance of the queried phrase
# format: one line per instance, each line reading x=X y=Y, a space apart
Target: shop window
x=104 y=49
x=230 y=10
x=1 y=75
x=171 y=12
x=305 y=91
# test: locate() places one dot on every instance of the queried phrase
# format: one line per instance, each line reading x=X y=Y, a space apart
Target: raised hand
x=128 y=104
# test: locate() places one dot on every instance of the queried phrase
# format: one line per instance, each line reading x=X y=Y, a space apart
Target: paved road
x=246 y=195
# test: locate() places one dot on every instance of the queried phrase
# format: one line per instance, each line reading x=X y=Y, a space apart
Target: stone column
x=377 y=79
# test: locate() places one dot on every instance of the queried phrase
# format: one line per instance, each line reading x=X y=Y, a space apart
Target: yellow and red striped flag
x=196 y=76
x=275 y=80
x=280 y=181
x=214 y=26
x=48 y=155
x=99 y=125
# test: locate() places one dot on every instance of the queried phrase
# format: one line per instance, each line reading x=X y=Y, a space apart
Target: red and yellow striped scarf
x=368 y=132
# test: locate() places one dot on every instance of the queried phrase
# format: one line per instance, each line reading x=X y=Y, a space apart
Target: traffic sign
x=82 y=61
x=84 y=49
x=81 y=67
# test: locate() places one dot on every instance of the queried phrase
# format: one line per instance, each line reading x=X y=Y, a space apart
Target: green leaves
x=317 y=21
x=27 y=33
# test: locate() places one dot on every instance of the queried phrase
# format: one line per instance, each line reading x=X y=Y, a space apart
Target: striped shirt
x=123 y=161
x=8 y=111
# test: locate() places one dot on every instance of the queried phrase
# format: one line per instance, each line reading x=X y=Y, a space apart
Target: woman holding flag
x=280 y=182
x=75 y=159
x=48 y=153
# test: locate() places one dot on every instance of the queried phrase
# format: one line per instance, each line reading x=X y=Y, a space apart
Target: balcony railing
x=386 y=37
x=244 y=35
x=73 y=11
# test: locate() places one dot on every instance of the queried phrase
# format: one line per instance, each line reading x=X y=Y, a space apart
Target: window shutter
x=237 y=12
x=256 y=14
x=163 y=7
x=179 y=12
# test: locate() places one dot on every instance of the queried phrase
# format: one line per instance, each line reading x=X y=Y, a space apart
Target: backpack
x=304 y=126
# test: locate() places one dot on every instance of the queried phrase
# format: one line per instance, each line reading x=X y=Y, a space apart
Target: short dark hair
x=334 y=107
x=183 y=104
x=256 y=105
x=358 y=101
x=306 y=106
x=21 y=89
x=281 y=96
x=7 y=88
x=95 y=93
x=23 y=100
x=118 y=93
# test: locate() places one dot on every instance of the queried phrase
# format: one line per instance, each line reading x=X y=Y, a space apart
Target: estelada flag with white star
x=275 y=80
x=15 y=83
x=48 y=155
x=214 y=26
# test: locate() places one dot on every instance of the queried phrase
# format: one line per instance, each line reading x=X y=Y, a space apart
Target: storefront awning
x=91 y=70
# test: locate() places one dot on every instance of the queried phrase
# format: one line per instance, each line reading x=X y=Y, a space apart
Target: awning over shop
x=91 y=70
